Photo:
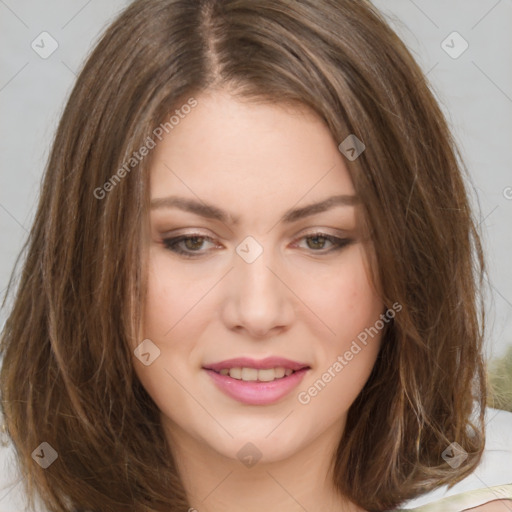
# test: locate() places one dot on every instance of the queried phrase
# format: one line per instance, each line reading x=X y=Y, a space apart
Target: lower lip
x=256 y=392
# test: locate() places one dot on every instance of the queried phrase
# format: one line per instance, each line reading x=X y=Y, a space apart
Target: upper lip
x=259 y=364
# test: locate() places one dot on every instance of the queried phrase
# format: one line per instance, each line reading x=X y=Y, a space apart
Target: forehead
x=258 y=154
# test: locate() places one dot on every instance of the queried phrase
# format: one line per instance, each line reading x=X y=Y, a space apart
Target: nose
x=257 y=298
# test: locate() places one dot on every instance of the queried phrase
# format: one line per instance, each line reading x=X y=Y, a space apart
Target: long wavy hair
x=67 y=377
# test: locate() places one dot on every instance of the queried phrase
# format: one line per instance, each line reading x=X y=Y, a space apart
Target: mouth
x=255 y=382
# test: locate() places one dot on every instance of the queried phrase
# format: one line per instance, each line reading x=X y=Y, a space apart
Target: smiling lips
x=257 y=382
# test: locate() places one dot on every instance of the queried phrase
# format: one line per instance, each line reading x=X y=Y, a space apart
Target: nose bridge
x=257 y=294
x=252 y=272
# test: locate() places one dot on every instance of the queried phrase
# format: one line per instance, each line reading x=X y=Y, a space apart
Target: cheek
x=168 y=320
x=173 y=298
x=172 y=321
x=351 y=306
x=345 y=298
x=165 y=293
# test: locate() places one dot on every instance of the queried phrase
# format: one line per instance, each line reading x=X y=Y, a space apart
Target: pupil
x=196 y=242
x=315 y=239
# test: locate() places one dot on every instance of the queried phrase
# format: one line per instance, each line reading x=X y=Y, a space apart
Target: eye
x=192 y=242
x=317 y=241
x=191 y=245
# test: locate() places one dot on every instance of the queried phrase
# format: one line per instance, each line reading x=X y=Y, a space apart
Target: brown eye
x=186 y=245
x=316 y=242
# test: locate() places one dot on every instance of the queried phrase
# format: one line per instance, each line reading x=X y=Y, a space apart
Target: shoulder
x=493 y=506
x=489 y=487
x=488 y=499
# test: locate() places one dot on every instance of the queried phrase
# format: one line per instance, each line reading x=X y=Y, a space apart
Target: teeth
x=280 y=372
x=249 y=374
x=253 y=374
x=267 y=375
x=236 y=373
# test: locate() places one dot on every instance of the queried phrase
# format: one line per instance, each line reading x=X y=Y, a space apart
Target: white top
x=491 y=480
x=468 y=499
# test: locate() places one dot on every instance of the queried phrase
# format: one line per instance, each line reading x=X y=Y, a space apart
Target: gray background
x=475 y=92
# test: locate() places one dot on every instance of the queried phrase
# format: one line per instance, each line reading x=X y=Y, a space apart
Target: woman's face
x=264 y=286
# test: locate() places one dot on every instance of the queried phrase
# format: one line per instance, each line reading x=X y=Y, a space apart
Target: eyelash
x=171 y=244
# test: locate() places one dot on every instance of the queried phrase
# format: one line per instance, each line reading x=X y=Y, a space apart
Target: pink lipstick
x=257 y=382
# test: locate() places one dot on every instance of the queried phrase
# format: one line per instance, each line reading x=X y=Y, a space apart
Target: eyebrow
x=213 y=212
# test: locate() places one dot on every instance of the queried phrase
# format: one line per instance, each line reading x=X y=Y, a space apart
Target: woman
x=253 y=278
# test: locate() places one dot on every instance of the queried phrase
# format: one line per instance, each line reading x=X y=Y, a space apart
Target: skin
x=494 y=506
x=296 y=300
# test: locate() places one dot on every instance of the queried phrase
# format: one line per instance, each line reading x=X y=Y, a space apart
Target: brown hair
x=67 y=375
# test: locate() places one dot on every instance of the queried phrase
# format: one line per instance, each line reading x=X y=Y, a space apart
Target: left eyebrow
x=214 y=212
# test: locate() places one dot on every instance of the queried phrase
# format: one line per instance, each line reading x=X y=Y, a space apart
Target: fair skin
x=297 y=300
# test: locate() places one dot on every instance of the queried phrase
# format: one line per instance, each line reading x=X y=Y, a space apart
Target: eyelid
x=335 y=232
x=185 y=232
x=171 y=242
